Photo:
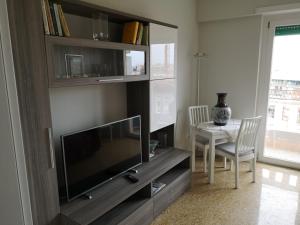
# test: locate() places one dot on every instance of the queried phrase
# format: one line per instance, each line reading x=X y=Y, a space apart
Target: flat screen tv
x=97 y=155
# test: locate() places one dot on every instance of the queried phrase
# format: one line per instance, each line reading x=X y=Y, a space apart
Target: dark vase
x=221 y=112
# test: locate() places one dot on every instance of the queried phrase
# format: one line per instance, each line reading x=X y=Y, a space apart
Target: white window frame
x=268 y=26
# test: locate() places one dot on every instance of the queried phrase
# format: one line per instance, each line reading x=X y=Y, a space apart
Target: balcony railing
x=284 y=94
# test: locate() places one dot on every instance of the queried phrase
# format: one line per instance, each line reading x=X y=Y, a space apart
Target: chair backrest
x=246 y=138
x=198 y=114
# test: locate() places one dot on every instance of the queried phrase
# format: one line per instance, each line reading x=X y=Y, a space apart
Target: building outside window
x=298 y=115
x=271 y=111
x=285 y=113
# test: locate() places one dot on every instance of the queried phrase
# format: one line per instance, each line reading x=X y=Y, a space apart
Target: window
x=271 y=111
x=298 y=115
x=285 y=113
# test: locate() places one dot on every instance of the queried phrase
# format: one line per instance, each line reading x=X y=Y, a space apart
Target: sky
x=286 y=57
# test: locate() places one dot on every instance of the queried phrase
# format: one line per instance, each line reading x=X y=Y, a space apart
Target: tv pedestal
x=88 y=196
x=121 y=202
x=133 y=171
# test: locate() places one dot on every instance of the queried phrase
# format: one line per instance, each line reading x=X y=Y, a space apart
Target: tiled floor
x=273 y=200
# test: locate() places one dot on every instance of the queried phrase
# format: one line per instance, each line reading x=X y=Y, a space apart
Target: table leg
x=211 y=171
x=193 y=151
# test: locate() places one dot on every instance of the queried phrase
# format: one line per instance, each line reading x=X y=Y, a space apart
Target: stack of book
x=54 y=19
x=135 y=33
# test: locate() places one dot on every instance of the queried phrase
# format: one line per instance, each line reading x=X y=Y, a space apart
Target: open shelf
x=170 y=176
x=86 y=10
x=165 y=138
x=180 y=170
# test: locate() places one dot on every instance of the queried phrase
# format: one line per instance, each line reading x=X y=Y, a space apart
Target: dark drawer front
x=180 y=186
x=142 y=216
x=161 y=200
x=169 y=194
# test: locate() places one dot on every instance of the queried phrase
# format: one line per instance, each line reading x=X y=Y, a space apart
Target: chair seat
x=229 y=148
x=202 y=140
x=205 y=141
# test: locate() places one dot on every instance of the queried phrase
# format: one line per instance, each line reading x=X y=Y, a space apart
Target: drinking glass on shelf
x=100 y=27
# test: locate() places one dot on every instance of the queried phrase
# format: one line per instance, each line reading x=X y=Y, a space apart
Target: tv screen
x=96 y=155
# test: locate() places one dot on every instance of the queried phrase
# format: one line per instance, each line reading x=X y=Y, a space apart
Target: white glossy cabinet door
x=162 y=103
x=163 y=52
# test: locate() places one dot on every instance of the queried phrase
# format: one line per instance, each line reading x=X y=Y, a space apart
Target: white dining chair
x=244 y=147
x=197 y=115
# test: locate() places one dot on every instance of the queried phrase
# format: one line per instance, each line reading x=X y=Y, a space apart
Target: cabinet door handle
x=51 y=148
x=110 y=80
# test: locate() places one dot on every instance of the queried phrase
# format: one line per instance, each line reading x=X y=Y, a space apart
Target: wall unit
x=40 y=63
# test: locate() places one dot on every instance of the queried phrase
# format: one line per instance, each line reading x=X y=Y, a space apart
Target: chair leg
x=253 y=168
x=193 y=153
x=225 y=162
x=231 y=165
x=250 y=166
x=205 y=151
x=237 y=171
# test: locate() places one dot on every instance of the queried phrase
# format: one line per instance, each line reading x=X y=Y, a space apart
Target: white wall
x=77 y=108
x=229 y=32
x=209 y=10
x=232 y=48
x=182 y=14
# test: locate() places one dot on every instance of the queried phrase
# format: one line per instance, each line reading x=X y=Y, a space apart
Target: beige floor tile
x=273 y=200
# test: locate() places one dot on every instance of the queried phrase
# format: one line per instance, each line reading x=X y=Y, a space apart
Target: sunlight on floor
x=277 y=206
x=273 y=200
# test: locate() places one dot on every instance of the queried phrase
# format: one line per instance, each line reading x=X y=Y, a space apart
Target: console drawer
x=171 y=192
x=142 y=216
x=161 y=201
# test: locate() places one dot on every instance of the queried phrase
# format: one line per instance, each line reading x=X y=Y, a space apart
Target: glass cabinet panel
x=82 y=62
x=163 y=45
x=135 y=62
x=162 y=103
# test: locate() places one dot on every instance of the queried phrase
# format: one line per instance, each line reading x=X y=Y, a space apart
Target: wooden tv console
x=122 y=202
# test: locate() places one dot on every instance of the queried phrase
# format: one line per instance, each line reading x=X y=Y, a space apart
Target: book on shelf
x=139 y=34
x=49 y=17
x=54 y=19
x=130 y=31
x=145 y=38
x=52 y=11
x=59 y=28
x=45 y=19
x=63 y=22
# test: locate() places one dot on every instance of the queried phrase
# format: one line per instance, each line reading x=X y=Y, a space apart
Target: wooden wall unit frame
x=34 y=76
x=138 y=104
x=28 y=47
